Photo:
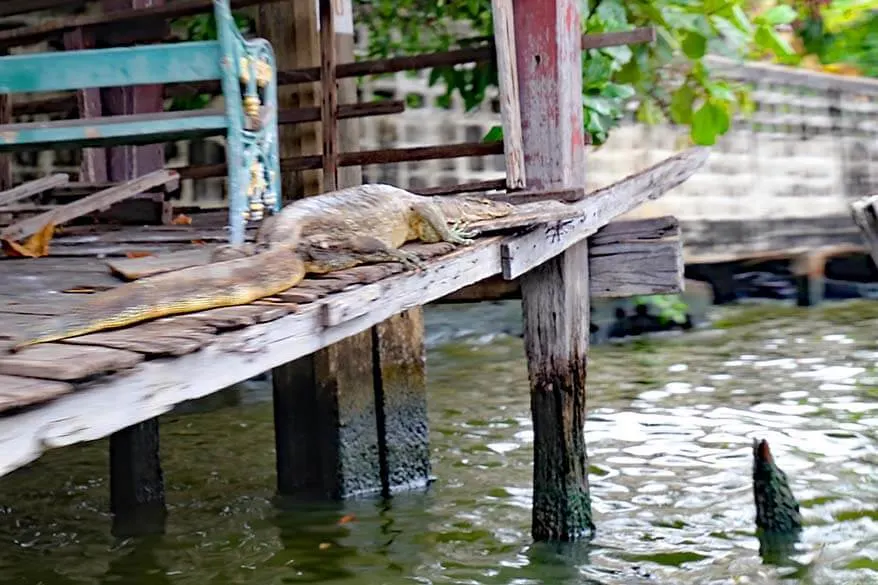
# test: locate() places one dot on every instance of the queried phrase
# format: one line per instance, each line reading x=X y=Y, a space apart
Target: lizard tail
x=221 y=284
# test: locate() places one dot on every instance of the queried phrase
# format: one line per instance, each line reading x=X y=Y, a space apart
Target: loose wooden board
x=17 y=392
x=57 y=361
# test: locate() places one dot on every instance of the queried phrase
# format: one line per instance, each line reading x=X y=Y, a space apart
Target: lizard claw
x=459 y=235
x=411 y=261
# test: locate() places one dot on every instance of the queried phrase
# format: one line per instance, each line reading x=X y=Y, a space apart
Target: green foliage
x=840 y=32
x=668 y=79
x=670 y=307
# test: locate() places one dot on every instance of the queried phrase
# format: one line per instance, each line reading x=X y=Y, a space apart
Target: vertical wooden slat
x=329 y=89
x=555 y=300
x=126 y=162
x=504 y=39
x=93 y=168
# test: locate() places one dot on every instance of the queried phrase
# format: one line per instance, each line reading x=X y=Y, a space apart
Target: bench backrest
x=148 y=64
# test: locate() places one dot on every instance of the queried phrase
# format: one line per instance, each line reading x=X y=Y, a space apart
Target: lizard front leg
x=433 y=217
x=353 y=251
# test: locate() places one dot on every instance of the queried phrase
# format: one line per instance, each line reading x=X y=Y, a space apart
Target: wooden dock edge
x=154 y=387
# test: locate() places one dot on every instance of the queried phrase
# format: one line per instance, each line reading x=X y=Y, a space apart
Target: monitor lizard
x=323 y=233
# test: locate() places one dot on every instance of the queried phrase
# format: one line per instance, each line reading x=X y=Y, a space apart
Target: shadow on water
x=669 y=433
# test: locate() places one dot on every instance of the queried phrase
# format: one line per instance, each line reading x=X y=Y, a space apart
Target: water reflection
x=669 y=432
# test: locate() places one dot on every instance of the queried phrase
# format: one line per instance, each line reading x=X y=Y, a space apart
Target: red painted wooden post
x=555 y=299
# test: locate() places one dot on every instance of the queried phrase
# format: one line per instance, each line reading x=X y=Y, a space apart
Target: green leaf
x=780 y=14
x=694 y=45
x=681 y=104
x=709 y=121
x=612 y=12
x=495 y=134
x=768 y=38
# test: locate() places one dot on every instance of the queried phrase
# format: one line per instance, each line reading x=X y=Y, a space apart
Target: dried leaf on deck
x=182 y=219
x=35 y=246
x=138 y=254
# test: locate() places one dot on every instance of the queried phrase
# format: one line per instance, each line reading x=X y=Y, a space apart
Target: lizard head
x=467 y=208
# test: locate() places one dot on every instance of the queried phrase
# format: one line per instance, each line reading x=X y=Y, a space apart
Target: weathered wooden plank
x=99 y=200
x=16 y=391
x=33 y=188
x=157 y=338
x=112 y=130
x=118 y=66
x=57 y=361
x=598 y=209
x=507 y=74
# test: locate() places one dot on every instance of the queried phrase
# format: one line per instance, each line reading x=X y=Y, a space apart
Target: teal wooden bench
x=245 y=68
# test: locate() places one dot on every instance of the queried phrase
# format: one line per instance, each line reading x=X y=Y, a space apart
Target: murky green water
x=669 y=431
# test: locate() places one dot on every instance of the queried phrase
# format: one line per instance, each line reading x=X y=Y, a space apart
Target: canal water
x=669 y=431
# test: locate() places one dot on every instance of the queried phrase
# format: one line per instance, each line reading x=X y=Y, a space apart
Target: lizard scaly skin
x=352 y=226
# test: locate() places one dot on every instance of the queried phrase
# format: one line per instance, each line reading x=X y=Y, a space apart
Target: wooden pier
x=346 y=348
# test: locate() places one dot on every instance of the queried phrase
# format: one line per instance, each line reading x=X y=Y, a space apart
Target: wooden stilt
x=5 y=118
x=401 y=401
x=555 y=299
x=325 y=418
x=137 y=489
x=137 y=492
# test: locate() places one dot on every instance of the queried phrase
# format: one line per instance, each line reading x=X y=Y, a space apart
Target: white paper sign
x=343 y=16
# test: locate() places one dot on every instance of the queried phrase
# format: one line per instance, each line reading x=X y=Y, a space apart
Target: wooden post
x=5 y=118
x=326 y=438
x=555 y=299
x=93 y=167
x=136 y=480
x=343 y=416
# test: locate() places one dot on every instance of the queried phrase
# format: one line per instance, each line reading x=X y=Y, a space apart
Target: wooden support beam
x=326 y=435
x=555 y=299
x=625 y=258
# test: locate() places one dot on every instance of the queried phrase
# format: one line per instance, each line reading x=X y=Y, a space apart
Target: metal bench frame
x=249 y=120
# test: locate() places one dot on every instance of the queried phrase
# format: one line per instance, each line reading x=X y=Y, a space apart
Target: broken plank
x=546 y=241
x=57 y=361
x=95 y=202
x=17 y=392
x=34 y=187
x=134 y=268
